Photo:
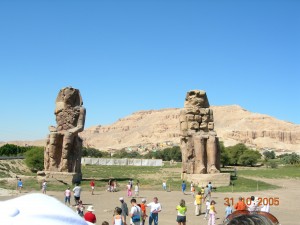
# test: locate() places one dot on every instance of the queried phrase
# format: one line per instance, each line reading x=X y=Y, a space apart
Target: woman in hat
x=89 y=215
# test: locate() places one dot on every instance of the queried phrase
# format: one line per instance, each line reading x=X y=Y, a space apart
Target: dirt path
x=105 y=202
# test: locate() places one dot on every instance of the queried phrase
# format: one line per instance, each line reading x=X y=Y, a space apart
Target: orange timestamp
x=274 y=201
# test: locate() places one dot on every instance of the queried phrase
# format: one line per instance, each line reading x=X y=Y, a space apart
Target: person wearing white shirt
x=135 y=213
x=155 y=208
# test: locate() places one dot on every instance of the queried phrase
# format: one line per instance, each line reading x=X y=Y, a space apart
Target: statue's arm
x=80 y=122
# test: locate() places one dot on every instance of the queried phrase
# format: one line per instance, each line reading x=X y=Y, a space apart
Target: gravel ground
x=104 y=202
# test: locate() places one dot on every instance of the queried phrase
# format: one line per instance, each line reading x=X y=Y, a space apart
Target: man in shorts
x=92 y=184
x=77 y=192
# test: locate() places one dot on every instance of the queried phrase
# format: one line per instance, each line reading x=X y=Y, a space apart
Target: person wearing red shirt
x=240 y=205
x=143 y=209
x=92 y=184
x=89 y=215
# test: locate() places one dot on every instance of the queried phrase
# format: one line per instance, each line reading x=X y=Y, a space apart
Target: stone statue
x=64 y=147
x=199 y=142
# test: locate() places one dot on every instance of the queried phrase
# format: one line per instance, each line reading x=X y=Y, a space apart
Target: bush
x=249 y=158
x=12 y=150
x=273 y=164
x=34 y=158
x=95 y=153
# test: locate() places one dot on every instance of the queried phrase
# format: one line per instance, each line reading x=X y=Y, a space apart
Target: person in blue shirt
x=20 y=185
x=183 y=187
x=228 y=210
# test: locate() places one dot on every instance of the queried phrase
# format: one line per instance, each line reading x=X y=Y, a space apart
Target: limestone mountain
x=152 y=129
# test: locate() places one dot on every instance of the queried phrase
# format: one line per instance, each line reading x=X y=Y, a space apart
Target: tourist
x=92 y=184
x=181 y=213
x=128 y=187
x=20 y=185
x=136 y=190
x=210 y=186
x=212 y=213
x=192 y=189
x=202 y=191
x=67 y=196
x=124 y=208
x=44 y=187
x=228 y=210
x=183 y=187
x=135 y=212
x=89 y=215
x=80 y=208
x=77 y=192
x=240 y=205
x=198 y=203
x=155 y=208
x=109 y=185
x=253 y=207
x=207 y=193
x=118 y=218
x=114 y=185
x=265 y=208
x=164 y=185
x=144 y=213
x=207 y=208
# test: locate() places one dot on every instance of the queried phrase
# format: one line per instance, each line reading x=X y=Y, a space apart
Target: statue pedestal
x=217 y=179
x=64 y=177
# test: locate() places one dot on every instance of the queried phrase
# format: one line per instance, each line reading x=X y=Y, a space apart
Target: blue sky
x=126 y=56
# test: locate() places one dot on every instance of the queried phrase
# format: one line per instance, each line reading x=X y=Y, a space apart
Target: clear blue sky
x=126 y=56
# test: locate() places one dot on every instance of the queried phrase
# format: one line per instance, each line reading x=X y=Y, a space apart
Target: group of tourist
x=112 y=185
x=137 y=214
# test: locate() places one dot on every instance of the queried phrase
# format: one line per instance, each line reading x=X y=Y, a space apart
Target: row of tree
x=233 y=155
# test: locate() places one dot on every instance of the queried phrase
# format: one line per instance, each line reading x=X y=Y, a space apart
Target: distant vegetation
x=237 y=155
x=34 y=158
x=13 y=150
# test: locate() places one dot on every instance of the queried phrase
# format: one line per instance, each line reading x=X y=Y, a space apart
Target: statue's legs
x=200 y=154
x=77 y=153
x=46 y=154
x=54 y=146
x=65 y=154
x=184 y=151
x=212 y=155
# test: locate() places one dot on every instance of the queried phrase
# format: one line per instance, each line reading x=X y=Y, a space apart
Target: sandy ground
x=104 y=202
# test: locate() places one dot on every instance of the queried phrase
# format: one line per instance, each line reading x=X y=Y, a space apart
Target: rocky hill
x=146 y=130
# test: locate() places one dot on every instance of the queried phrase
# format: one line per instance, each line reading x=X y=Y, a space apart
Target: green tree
x=292 y=158
x=249 y=158
x=234 y=153
x=95 y=153
x=224 y=155
x=34 y=158
x=173 y=153
x=269 y=155
x=124 y=154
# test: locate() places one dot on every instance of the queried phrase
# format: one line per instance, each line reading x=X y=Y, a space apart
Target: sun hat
x=90 y=208
x=121 y=198
x=144 y=200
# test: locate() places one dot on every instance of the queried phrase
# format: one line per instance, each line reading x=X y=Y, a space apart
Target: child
x=80 y=208
x=44 y=187
x=67 y=196
x=129 y=189
x=212 y=213
x=136 y=190
x=207 y=208
x=228 y=210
